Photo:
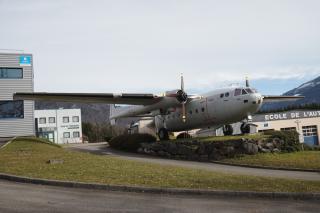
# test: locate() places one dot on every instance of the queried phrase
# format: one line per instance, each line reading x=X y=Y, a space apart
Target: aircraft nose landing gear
x=163 y=134
x=227 y=129
x=245 y=128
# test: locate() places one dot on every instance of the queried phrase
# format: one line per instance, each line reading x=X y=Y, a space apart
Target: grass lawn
x=303 y=160
x=29 y=158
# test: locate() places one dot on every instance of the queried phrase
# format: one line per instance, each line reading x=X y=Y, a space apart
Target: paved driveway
x=103 y=149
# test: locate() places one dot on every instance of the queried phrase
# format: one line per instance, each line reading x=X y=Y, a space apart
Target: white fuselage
x=216 y=108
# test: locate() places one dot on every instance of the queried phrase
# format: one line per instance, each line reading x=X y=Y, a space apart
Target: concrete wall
x=10 y=127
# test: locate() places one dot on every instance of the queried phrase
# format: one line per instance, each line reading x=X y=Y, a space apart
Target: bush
x=130 y=142
x=290 y=140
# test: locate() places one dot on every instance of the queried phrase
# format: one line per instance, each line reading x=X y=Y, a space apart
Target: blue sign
x=25 y=60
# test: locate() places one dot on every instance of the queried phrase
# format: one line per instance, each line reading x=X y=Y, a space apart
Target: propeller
x=184 y=98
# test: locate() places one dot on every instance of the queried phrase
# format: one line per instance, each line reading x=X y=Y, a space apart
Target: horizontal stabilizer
x=273 y=98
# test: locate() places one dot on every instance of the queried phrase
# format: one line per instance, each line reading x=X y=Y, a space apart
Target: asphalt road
x=21 y=197
x=102 y=149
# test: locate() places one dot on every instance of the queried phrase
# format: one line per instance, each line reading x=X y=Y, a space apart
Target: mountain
x=310 y=90
x=94 y=113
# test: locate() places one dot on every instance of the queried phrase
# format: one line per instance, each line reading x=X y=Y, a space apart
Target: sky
x=144 y=45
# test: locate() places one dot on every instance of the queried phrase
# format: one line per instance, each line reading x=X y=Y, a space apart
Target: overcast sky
x=143 y=46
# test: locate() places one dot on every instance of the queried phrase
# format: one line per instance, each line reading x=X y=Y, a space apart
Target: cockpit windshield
x=245 y=91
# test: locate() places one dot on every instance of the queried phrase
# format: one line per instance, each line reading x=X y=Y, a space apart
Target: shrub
x=130 y=142
x=290 y=140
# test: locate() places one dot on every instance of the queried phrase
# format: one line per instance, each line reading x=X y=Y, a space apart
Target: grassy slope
x=29 y=159
x=304 y=160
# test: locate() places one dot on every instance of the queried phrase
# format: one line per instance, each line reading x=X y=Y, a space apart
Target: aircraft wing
x=109 y=98
x=274 y=98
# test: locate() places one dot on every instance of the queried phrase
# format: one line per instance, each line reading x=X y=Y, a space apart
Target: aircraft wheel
x=163 y=134
x=227 y=129
x=245 y=128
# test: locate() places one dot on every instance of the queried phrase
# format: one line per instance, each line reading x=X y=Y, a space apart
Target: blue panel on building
x=311 y=140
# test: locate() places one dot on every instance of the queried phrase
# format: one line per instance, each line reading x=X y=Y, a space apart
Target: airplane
x=175 y=110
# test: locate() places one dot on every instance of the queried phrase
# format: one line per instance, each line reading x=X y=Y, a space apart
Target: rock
x=55 y=161
x=269 y=146
x=250 y=148
x=276 y=150
x=263 y=150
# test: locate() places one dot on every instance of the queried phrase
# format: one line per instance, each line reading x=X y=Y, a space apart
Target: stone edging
x=266 y=167
x=173 y=191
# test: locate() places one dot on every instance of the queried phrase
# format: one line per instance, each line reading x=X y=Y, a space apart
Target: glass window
x=76 y=134
x=11 y=109
x=42 y=120
x=66 y=135
x=52 y=120
x=196 y=110
x=202 y=109
x=65 y=119
x=249 y=90
x=75 y=118
x=244 y=92
x=237 y=92
x=221 y=95
x=227 y=94
x=11 y=72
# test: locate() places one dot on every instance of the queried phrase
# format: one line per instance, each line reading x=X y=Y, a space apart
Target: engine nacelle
x=180 y=95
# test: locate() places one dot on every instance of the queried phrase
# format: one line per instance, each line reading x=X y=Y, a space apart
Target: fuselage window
x=226 y=94
x=221 y=95
x=244 y=92
x=190 y=112
x=237 y=92
x=202 y=109
x=197 y=111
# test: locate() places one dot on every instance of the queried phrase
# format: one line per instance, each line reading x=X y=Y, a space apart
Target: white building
x=59 y=125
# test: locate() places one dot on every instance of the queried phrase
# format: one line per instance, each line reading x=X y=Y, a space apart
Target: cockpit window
x=237 y=92
x=244 y=92
x=249 y=90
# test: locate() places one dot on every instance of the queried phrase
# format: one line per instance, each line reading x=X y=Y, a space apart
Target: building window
x=288 y=129
x=11 y=109
x=42 y=120
x=309 y=130
x=12 y=73
x=76 y=134
x=52 y=120
x=75 y=118
x=65 y=119
x=66 y=135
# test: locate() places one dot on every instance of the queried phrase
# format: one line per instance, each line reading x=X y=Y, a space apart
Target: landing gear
x=245 y=128
x=227 y=129
x=163 y=134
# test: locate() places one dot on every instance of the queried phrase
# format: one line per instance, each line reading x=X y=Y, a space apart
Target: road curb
x=266 y=167
x=172 y=191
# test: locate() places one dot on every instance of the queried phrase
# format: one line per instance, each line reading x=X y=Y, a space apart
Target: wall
x=10 y=127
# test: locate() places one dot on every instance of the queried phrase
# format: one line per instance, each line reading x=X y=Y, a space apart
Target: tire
x=227 y=129
x=163 y=134
x=245 y=128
